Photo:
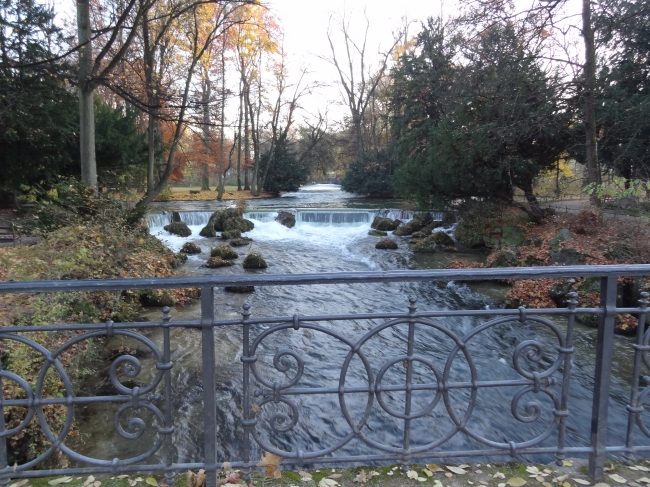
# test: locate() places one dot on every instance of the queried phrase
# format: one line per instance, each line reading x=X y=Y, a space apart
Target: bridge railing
x=268 y=403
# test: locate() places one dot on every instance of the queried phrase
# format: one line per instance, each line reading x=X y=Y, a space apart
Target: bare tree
x=358 y=79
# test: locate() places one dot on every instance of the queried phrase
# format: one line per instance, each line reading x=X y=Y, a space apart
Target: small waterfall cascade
x=160 y=219
x=311 y=216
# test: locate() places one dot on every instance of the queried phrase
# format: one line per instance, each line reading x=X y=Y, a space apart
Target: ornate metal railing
x=549 y=378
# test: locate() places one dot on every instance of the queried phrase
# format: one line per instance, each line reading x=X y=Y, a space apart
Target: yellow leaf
x=271 y=462
x=151 y=481
x=516 y=482
x=567 y=463
x=434 y=468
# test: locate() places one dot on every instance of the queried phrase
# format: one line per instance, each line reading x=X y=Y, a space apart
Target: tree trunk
x=533 y=210
x=205 y=181
x=247 y=147
x=239 y=142
x=151 y=152
x=222 y=176
x=86 y=92
x=591 y=155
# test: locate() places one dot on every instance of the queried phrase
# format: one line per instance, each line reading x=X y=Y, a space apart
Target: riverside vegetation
x=84 y=235
x=585 y=238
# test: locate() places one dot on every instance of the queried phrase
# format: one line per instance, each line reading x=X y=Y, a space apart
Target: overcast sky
x=305 y=23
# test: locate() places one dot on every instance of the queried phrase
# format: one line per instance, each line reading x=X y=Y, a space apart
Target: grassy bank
x=84 y=236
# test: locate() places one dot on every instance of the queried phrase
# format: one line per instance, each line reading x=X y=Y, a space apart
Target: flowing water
x=331 y=235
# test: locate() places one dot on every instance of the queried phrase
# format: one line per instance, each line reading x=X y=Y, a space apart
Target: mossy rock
x=156 y=297
x=384 y=224
x=224 y=252
x=254 y=261
x=562 y=236
x=238 y=223
x=618 y=250
x=179 y=259
x=441 y=238
x=230 y=219
x=419 y=221
x=228 y=234
x=568 y=256
x=216 y=262
x=377 y=233
x=386 y=244
x=178 y=228
x=512 y=236
x=190 y=248
x=287 y=219
x=419 y=235
x=239 y=289
x=240 y=242
x=208 y=231
x=503 y=258
x=436 y=242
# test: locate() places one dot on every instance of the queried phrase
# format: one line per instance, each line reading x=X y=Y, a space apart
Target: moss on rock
x=419 y=221
x=228 y=234
x=384 y=224
x=254 y=261
x=190 y=248
x=377 y=233
x=178 y=228
x=224 y=252
x=240 y=242
x=216 y=262
x=208 y=231
x=386 y=244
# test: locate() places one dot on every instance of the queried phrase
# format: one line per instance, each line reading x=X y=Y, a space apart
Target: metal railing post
x=168 y=430
x=209 y=390
x=602 y=378
x=3 y=439
x=634 y=409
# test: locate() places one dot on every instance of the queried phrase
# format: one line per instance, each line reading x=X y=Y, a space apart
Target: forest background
x=139 y=95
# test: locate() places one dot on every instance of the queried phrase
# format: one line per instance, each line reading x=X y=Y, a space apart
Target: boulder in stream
x=208 y=231
x=225 y=252
x=386 y=244
x=419 y=221
x=178 y=228
x=384 y=224
x=216 y=262
x=436 y=242
x=255 y=261
x=190 y=248
x=240 y=242
x=228 y=234
x=377 y=233
x=287 y=219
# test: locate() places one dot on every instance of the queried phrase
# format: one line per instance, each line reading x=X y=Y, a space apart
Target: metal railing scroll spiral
x=541 y=382
x=133 y=401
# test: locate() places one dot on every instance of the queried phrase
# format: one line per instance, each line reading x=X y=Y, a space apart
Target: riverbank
x=587 y=237
x=189 y=194
x=572 y=473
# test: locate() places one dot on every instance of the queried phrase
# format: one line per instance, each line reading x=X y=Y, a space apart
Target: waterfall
x=312 y=216
x=190 y=217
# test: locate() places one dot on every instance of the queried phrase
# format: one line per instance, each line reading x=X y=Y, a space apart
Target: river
x=331 y=235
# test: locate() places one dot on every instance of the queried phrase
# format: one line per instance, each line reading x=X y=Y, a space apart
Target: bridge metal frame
x=286 y=360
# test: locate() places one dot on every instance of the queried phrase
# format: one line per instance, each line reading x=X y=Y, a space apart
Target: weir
x=304 y=215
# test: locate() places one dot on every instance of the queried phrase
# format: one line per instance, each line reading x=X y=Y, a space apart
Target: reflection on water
x=315 y=245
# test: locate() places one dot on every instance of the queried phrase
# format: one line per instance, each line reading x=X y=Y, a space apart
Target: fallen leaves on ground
x=271 y=462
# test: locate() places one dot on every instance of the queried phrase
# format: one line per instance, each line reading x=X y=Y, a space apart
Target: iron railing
x=551 y=379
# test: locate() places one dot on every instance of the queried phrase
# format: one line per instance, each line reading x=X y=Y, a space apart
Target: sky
x=305 y=24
